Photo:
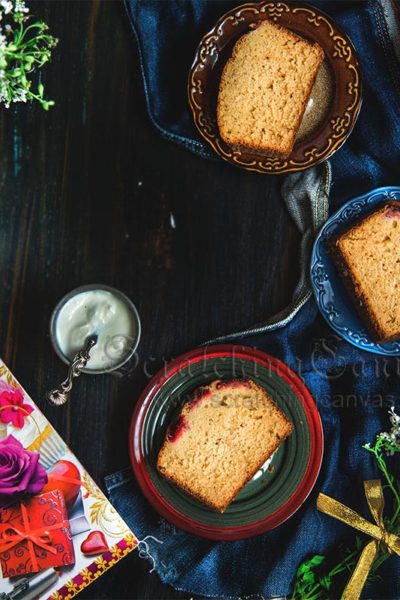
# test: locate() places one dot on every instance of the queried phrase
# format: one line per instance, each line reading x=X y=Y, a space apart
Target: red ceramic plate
x=281 y=485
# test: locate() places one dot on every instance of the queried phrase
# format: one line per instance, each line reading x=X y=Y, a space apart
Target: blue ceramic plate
x=332 y=298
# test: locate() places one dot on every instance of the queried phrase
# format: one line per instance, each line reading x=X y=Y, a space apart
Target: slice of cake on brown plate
x=222 y=436
x=265 y=87
x=368 y=259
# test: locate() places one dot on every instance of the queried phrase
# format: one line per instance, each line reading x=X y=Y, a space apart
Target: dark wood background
x=87 y=192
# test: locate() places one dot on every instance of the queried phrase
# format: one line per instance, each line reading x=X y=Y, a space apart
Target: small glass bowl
x=89 y=288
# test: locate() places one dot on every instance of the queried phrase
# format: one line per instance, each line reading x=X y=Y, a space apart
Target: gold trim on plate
x=207 y=55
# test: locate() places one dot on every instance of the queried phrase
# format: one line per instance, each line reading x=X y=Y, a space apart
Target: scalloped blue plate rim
x=333 y=301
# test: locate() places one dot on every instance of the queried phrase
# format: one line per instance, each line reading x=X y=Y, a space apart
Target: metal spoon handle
x=59 y=395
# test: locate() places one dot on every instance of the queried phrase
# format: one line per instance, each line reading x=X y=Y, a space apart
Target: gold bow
x=374 y=494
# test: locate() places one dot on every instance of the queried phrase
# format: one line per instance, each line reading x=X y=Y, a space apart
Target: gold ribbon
x=374 y=494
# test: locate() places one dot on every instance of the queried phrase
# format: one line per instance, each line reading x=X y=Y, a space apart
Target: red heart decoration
x=70 y=489
x=95 y=543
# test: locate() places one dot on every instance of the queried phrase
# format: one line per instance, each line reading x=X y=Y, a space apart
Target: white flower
x=394 y=418
x=6 y=6
x=20 y=96
x=21 y=7
x=392 y=438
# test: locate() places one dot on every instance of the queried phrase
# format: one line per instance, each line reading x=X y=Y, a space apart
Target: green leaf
x=307 y=565
x=48 y=104
x=309 y=578
x=316 y=596
x=316 y=560
x=303 y=568
x=326 y=582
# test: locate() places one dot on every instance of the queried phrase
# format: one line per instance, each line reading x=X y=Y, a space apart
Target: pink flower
x=14 y=411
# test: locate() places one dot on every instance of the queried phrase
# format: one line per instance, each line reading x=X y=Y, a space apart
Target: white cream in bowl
x=101 y=311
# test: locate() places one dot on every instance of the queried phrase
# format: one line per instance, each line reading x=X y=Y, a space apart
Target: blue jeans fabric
x=353 y=389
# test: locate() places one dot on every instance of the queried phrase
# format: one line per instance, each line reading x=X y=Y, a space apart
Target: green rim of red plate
x=278 y=489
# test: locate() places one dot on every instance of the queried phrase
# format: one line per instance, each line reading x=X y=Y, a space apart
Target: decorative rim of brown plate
x=344 y=65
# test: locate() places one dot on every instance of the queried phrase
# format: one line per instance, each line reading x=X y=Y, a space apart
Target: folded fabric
x=168 y=32
x=353 y=389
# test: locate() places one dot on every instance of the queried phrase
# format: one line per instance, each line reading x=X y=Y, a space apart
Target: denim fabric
x=352 y=388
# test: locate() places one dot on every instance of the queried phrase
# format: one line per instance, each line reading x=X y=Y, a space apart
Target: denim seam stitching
x=387 y=35
x=118 y=478
x=386 y=42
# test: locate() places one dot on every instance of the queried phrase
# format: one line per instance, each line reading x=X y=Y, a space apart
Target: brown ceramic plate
x=335 y=100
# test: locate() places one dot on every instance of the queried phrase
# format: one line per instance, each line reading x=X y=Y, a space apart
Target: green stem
x=19 y=34
x=34 y=41
x=25 y=31
x=389 y=478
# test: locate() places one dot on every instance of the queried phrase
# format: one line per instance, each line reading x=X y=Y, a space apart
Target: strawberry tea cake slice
x=222 y=436
x=368 y=259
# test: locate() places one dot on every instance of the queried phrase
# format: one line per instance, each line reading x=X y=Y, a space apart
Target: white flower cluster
x=19 y=9
x=392 y=438
x=16 y=6
x=3 y=63
x=5 y=7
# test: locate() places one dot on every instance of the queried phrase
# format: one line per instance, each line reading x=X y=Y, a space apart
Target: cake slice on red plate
x=222 y=436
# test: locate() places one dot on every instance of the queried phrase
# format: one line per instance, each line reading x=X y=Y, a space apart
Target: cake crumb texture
x=264 y=89
x=222 y=436
x=368 y=259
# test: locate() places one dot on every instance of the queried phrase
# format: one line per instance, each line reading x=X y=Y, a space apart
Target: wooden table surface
x=89 y=193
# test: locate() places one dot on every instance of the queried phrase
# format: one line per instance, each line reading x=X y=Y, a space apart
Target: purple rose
x=20 y=472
